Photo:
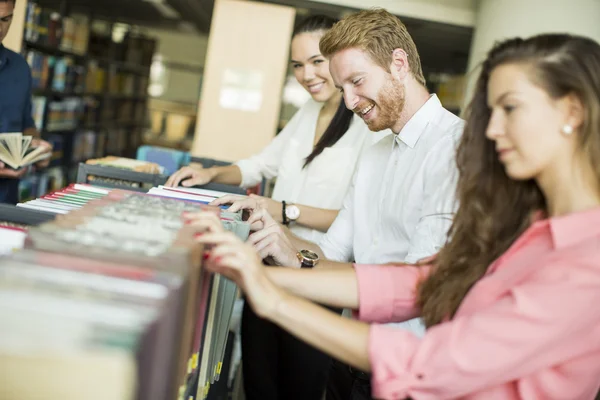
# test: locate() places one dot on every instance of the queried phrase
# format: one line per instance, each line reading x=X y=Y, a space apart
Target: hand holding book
x=18 y=151
x=11 y=173
x=37 y=143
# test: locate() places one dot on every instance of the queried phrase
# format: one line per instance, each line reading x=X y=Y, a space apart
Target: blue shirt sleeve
x=28 y=121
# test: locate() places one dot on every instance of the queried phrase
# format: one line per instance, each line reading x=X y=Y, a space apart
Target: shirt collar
x=415 y=126
x=3 y=56
x=568 y=230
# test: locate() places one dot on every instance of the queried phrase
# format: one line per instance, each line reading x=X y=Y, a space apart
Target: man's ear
x=399 y=66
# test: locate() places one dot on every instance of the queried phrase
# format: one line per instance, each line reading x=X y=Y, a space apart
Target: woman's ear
x=574 y=111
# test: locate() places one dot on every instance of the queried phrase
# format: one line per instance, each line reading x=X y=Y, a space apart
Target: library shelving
x=89 y=92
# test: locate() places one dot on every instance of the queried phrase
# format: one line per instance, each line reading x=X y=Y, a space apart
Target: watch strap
x=284 y=217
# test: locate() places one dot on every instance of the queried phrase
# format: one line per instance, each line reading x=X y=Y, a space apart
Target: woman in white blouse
x=313 y=158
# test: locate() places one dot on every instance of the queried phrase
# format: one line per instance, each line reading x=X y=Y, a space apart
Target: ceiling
x=465 y=4
x=443 y=47
x=140 y=12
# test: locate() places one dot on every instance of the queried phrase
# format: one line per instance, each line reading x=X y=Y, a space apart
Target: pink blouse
x=529 y=329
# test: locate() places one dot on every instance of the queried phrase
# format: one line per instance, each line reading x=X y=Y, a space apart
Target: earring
x=567 y=129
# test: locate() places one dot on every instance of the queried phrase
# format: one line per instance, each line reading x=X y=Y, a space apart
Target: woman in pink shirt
x=512 y=302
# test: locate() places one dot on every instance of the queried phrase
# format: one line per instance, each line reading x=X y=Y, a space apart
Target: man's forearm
x=301 y=244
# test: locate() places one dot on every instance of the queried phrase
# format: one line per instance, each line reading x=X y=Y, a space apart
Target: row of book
x=110 y=300
x=72 y=34
x=61 y=74
x=48 y=27
x=64 y=114
x=67 y=74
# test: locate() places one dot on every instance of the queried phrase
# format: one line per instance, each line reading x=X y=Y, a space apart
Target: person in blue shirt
x=15 y=105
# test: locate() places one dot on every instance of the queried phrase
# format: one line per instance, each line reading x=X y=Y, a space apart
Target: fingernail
x=197 y=235
x=206 y=255
x=188 y=222
x=218 y=259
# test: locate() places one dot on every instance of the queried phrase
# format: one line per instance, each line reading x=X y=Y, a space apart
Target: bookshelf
x=89 y=92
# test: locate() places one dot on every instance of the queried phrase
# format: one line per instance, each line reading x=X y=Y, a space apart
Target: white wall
x=503 y=19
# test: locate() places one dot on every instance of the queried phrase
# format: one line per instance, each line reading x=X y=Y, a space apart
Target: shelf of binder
x=113 y=177
x=156 y=319
x=119 y=178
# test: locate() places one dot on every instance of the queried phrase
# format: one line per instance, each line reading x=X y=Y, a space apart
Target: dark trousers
x=277 y=366
x=9 y=191
x=348 y=384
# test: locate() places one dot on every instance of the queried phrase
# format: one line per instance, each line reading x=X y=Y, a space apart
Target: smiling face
x=374 y=94
x=6 y=13
x=526 y=124
x=311 y=69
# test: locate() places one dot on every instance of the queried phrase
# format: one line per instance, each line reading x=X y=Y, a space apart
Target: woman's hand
x=191 y=176
x=232 y=258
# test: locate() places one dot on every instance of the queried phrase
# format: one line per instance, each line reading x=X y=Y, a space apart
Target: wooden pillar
x=14 y=39
x=246 y=63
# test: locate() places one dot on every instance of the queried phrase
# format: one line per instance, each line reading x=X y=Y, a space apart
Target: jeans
x=346 y=384
x=277 y=366
x=9 y=191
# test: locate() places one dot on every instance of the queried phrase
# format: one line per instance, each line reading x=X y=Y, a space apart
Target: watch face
x=292 y=212
x=309 y=255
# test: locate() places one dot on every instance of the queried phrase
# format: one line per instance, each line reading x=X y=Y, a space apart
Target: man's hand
x=48 y=149
x=272 y=241
x=7 y=172
x=252 y=203
x=191 y=176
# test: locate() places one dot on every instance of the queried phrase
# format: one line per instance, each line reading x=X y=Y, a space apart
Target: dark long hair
x=495 y=210
x=343 y=117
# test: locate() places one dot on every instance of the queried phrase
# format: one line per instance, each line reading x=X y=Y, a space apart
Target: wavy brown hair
x=494 y=210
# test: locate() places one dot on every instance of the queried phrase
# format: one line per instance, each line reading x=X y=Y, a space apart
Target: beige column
x=14 y=39
x=246 y=62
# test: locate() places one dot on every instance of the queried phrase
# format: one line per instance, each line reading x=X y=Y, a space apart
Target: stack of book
x=110 y=300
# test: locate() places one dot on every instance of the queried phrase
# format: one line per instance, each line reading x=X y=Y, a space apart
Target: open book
x=16 y=150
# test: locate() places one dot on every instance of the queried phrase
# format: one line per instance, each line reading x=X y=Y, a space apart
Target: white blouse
x=325 y=181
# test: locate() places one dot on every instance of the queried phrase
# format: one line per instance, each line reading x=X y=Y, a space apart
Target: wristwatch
x=290 y=213
x=308 y=259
